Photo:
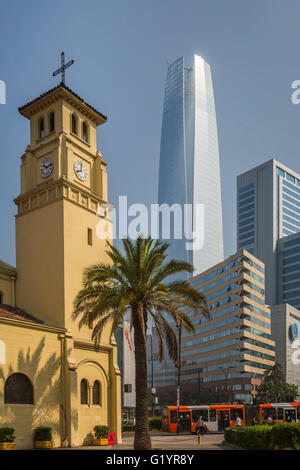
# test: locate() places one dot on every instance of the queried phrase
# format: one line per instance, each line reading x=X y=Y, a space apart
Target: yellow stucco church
x=50 y=372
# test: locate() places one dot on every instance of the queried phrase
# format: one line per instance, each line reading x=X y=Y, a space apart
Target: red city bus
x=215 y=417
x=289 y=412
x=218 y=417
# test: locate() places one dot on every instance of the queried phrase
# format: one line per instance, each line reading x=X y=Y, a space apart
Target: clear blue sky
x=120 y=48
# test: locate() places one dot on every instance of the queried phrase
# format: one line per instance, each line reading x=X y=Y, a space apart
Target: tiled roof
x=6 y=266
x=15 y=313
x=62 y=86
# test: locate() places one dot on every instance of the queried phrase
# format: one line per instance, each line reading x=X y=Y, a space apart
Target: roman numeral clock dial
x=81 y=171
x=46 y=167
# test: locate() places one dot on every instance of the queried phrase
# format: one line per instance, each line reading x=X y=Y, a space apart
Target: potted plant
x=42 y=437
x=101 y=435
x=7 y=439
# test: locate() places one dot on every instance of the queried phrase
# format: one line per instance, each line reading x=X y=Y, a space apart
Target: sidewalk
x=167 y=441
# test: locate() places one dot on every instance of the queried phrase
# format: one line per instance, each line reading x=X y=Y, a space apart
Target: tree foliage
x=274 y=388
x=139 y=283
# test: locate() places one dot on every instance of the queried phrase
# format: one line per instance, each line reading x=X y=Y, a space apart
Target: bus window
x=266 y=412
x=236 y=412
x=280 y=413
x=197 y=413
x=173 y=416
x=213 y=415
x=204 y=414
x=298 y=413
x=290 y=415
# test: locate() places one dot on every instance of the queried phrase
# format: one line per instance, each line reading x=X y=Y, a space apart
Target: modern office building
x=288 y=282
x=227 y=354
x=285 y=331
x=233 y=349
x=268 y=208
x=189 y=172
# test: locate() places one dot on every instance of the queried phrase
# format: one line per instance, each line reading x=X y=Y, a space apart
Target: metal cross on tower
x=63 y=67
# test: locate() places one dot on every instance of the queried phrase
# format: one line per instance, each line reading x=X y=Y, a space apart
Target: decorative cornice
x=62 y=92
x=61 y=189
x=89 y=345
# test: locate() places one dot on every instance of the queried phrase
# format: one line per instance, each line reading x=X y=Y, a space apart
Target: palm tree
x=136 y=283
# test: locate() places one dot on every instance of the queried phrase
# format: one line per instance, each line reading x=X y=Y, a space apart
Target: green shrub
x=7 y=435
x=286 y=435
x=155 y=423
x=265 y=437
x=101 y=432
x=128 y=427
x=42 y=433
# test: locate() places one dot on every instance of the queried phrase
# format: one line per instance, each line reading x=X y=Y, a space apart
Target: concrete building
x=285 y=328
x=234 y=348
x=288 y=275
x=268 y=208
x=189 y=171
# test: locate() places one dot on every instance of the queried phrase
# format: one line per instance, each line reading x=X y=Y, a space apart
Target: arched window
x=18 y=390
x=51 y=122
x=84 y=392
x=84 y=132
x=41 y=127
x=96 y=393
x=74 y=124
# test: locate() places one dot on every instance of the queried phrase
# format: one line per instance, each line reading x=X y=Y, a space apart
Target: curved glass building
x=189 y=172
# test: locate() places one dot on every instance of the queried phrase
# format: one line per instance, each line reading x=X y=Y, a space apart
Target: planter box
x=7 y=446
x=43 y=444
x=100 y=442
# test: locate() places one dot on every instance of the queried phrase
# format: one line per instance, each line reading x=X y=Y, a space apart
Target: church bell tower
x=63 y=192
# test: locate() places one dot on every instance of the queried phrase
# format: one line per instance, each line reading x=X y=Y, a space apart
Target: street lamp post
x=178 y=365
x=153 y=391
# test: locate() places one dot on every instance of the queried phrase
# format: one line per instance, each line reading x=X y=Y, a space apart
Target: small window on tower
x=51 y=122
x=84 y=132
x=90 y=237
x=41 y=128
x=74 y=124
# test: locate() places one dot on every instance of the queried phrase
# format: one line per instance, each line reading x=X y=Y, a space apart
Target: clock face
x=81 y=170
x=46 y=167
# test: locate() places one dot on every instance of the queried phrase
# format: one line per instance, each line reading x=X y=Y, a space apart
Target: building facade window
x=84 y=392
x=90 y=236
x=51 y=122
x=41 y=128
x=96 y=393
x=74 y=124
x=18 y=390
x=84 y=132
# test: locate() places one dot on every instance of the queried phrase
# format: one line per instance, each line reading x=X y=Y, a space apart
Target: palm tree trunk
x=142 y=437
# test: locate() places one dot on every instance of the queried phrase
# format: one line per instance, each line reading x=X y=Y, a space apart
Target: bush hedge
x=7 y=435
x=101 y=432
x=42 y=433
x=265 y=437
x=128 y=427
x=155 y=423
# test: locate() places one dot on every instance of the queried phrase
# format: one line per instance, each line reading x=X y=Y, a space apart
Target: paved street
x=167 y=441
x=182 y=442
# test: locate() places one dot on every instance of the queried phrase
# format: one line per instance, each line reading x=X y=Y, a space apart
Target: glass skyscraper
x=189 y=172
